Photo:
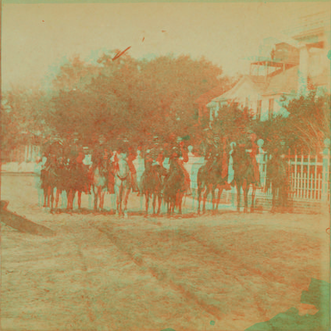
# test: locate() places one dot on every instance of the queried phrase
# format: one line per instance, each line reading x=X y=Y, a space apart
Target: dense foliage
x=138 y=99
x=130 y=98
x=306 y=127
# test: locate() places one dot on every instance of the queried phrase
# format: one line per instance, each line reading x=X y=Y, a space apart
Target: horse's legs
x=147 y=202
x=219 y=194
x=90 y=197
x=283 y=195
x=177 y=200
x=180 y=199
x=73 y=199
x=79 y=199
x=245 y=189
x=253 y=198
x=68 y=202
x=57 y=197
x=238 y=185
x=52 y=198
x=103 y=198
x=117 y=193
x=67 y=196
x=213 y=197
x=141 y=197
x=120 y=199
x=48 y=195
x=100 y=197
x=159 y=200
x=45 y=196
x=154 y=202
x=206 y=193
x=95 y=194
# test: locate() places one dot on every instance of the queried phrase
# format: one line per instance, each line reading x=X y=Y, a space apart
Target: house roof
x=284 y=82
x=207 y=97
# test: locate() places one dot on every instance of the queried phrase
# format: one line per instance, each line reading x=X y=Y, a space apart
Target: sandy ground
x=100 y=272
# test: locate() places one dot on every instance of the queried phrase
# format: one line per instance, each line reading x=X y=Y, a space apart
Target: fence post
x=261 y=162
x=326 y=171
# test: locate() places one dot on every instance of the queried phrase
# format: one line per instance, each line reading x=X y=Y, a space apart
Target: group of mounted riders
x=69 y=169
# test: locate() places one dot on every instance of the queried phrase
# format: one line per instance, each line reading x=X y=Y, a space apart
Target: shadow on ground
x=22 y=224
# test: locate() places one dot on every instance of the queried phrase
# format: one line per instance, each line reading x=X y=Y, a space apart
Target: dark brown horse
x=243 y=176
x=210 y=177
x=152 y=184
x=174 y=187
x=48 y=178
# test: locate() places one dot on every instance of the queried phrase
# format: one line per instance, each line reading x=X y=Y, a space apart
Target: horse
x=152 y=184
x=174 y=187
x=211 y=177
x=62 y=176
x=243 y=176
x=81 y=184
x=99 y=181
x=48 y=181
x=122 y=185
x=277 y=177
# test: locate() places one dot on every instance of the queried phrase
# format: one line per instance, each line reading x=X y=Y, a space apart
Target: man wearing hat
x=156 y=153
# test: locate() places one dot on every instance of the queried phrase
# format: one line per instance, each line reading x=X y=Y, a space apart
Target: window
x=271 y=109
x=259 y=109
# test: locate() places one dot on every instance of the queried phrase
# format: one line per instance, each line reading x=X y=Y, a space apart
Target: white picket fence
x=309 y=175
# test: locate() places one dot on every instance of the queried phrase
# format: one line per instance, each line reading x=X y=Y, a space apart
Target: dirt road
x=217 y=272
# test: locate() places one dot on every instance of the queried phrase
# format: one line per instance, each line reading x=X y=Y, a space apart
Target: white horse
x=122 y=184
x=99 y=183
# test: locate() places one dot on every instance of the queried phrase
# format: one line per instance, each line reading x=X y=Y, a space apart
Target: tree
x=130 y=98
x=233 y=123
x=307 y=125
x=309 y=119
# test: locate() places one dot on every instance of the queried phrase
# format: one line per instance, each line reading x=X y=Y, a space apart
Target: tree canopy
x=129 y=98
x=135 y=100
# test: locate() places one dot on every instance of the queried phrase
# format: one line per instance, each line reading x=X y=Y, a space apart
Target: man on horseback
x=212 y=152
x=244 y=174
x=156 y=152
x=181 y=156
x=253 y=151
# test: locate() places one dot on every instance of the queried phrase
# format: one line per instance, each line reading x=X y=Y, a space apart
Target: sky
x=36 y=38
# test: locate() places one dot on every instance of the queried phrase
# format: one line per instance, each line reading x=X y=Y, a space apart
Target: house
x=292 y=69
x=262 y=91
x=204 y=99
